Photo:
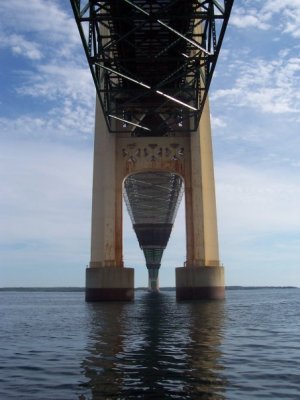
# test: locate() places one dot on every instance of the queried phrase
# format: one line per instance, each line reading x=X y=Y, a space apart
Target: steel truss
x=152 y=200
x=152 y=61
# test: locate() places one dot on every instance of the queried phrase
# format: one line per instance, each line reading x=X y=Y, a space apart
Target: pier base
x=195 y=283
x=109 y=284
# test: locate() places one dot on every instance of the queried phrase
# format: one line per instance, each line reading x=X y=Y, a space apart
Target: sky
x=47 y=101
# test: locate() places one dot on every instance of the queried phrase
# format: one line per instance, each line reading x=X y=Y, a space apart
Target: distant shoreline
x=163 y=289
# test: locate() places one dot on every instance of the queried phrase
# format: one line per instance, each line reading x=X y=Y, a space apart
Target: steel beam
x=152 y=58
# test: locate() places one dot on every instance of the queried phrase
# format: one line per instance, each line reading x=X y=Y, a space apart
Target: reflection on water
x=155 y=348
x=53 y=345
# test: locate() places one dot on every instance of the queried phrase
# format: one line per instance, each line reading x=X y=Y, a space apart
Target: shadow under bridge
x=152 y=200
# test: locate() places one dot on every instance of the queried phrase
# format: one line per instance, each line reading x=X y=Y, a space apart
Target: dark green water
x=55 y=346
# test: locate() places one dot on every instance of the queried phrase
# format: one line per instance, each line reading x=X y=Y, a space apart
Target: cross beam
x=152 y=61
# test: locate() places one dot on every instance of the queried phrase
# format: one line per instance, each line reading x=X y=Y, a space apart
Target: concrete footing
x=109 y=284
x=194 y=283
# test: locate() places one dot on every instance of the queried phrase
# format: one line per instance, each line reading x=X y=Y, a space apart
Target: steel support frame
x=152 y=202
x=145 y=195
x=117 y=63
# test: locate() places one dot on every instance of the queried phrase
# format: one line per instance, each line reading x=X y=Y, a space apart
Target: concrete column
x=202 y=277
x=106 y=279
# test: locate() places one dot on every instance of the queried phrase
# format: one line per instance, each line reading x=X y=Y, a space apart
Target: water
x=55 y=346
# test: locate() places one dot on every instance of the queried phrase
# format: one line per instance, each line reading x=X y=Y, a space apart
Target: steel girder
x=152 y=200
x=153 y=197
x=152 y=61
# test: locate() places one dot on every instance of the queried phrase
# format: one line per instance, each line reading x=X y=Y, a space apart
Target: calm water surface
x=55 y=346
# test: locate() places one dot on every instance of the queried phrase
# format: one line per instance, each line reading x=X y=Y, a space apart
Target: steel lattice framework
x=152 y=61
x=152 y=201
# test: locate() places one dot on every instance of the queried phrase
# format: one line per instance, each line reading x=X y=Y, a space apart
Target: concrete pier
x=106 y=277
x=109 y=284
x=200 y=283
x=201 y=277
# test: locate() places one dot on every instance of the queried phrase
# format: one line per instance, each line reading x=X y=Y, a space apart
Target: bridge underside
x=152 y=60
x=152 y=200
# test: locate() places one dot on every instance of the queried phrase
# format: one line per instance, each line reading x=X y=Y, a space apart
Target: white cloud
x=217 y=122
x=59 y=81
x=46 y=19
x=20 y=46
x=267 y=86
x=69 y=95
x=289 y=11
x=54 y=81
x=248 y=18
x=262 y=17
x=66 y=121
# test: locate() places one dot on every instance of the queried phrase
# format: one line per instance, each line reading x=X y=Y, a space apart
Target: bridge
x=152 y=63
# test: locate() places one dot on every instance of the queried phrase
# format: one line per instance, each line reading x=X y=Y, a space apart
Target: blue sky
x=46 y=138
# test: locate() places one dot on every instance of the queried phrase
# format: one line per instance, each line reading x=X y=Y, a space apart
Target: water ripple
x=55 y=346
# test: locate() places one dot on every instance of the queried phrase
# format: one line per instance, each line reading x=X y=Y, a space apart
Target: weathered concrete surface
x=109 y=283
x=106 y=244
x=201 y=218
x=194 y=283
